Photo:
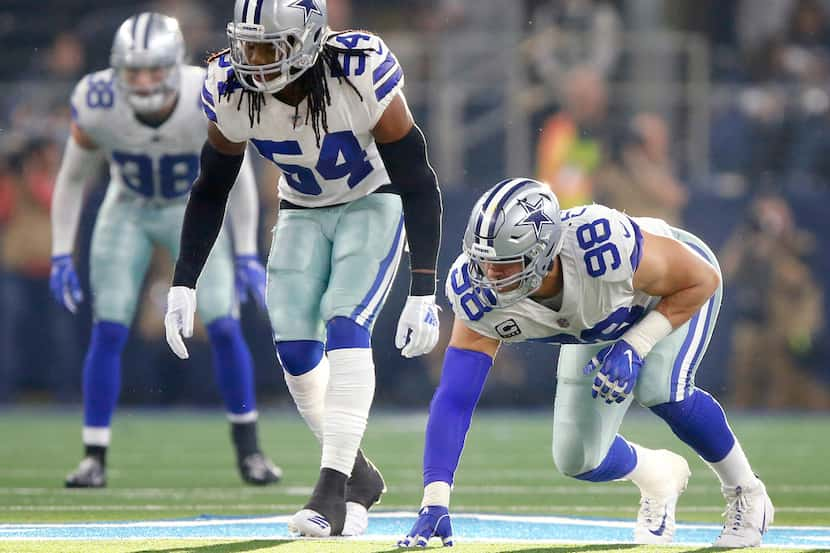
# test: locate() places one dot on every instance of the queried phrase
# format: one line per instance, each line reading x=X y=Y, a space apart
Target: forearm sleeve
x=78 y=167
x=451 y=410
x=243 y=211
x=205 y=213
x=410 y=172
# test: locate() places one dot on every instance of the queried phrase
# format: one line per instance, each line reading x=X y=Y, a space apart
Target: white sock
x=96 y=435
x=436 y=493
x=734 y=469
x=647 y=473
x=309 y=393
x=243 y=418
x=348 y=400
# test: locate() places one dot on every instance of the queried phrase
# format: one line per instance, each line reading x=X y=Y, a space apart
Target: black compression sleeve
x=408 y=167
x=205 y=213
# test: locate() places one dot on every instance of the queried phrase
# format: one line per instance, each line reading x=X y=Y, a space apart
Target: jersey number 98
x=176 y=173
x=593 y=238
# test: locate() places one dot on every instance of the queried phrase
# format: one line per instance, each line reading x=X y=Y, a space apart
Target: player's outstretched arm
x=81 y=162
x=467 y=362
x=684 y=281
x=203 y=218
x=402 y=147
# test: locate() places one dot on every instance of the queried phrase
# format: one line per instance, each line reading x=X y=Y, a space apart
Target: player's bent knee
x=344 y=333
x=571 y=457
x=297 y=357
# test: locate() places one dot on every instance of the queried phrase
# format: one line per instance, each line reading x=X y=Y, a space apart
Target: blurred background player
x=634 y=303
x=328 y=110
x=143 y=116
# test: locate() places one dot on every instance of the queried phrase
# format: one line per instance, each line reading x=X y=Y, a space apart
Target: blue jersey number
x=351 y=41
x=614 y=325
x=468 y=297
x=176 y=173
x=593 y=238
x=99 y=94
x=340 y=156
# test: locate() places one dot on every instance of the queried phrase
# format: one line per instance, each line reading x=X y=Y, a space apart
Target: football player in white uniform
x=633 y=303
x=144 y=117
x=328 y=110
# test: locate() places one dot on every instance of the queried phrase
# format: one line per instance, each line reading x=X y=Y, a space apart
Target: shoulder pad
x=608 y=241
x=93 y=98
x=217 y=101
x=371 y=66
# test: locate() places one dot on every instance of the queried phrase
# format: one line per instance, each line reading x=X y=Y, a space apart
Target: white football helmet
x=515 y=221
x=295 y=29
x=148 y=41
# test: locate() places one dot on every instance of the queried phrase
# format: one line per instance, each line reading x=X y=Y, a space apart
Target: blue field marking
x=390 y=526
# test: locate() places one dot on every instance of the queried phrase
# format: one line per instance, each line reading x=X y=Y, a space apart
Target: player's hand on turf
x=63 y=281
x=418 y=326
x=178 y=322
x=618 y=366
x=433 y=521
x=250 y=279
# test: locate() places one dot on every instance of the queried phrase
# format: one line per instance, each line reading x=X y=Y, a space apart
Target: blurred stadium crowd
x=743 y=161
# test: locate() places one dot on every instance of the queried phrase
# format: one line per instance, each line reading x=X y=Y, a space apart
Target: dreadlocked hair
x=312 y=83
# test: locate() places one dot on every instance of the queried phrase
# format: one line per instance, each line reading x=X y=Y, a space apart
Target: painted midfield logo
x=308 y=6
x=535 y=216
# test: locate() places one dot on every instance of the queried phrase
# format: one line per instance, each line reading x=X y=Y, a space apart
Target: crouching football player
x=633 y=303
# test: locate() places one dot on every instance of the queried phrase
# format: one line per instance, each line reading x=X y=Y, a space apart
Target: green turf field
x=177 y=464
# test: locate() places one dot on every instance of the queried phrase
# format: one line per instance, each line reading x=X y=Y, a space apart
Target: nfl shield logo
x=563 y=322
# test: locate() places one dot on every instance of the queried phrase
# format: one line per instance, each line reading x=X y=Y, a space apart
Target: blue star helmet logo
x=535 y=217
x=308 y=6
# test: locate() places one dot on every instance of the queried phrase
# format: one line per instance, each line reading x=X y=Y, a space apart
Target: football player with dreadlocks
x=328 y=110
x=633 y=303
x=144 y=117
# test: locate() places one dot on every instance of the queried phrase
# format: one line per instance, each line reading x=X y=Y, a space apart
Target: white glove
x=418 y=326
x=178 y=322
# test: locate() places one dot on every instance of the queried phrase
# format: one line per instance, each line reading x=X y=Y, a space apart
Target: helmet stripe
x=500 y=205
x=483 y=210
x=490 y=215
x=244 y=13
x=141 y=30
x=132 y=31
x=148 y=31
x=258 y=12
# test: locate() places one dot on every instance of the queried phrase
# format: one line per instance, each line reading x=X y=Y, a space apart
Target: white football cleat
x=656 y=518
x=357 y=519
x=749 y=512
x=308 y=522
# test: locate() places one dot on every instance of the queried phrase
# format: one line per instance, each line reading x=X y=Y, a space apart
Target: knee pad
x=700 y=422
x=297 y=357
x=344 y=333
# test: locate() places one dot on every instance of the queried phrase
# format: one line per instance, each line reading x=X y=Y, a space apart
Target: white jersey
x=159 y=163
x=346 y=165
x=601 y=251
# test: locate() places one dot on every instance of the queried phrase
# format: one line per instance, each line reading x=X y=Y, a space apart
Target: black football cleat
x=363 y=490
